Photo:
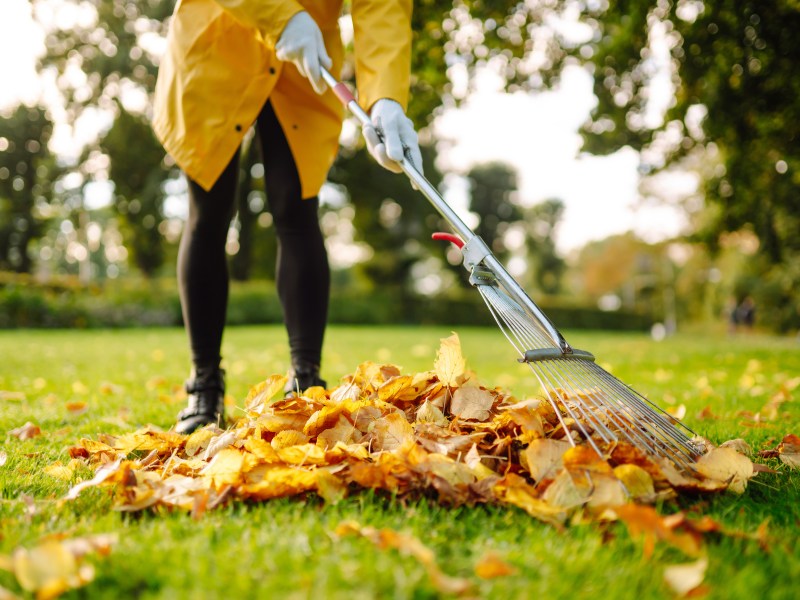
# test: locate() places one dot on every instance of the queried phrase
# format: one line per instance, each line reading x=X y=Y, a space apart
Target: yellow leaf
x=330 y=487
x=471 y=403
x=391 y=432
x=342 y=432
x=225 y=468
x=259 y=396
x=289 y=437
x=399 y=389
x=682 y=579
x=198 y=441
x=261 y=449
x=324 y=418
x=59 y=471
x=278 y=482
x=513 y=489
x=450 y=365
x=636 y=480
x=411 y=546
x=304 y=454
x=49 y=569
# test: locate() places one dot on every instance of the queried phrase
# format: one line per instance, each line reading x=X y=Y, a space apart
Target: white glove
x=396 y=135
x=301 y=43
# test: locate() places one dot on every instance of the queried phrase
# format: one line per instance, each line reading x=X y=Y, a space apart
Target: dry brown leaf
x=471 y=403
x=684 y=578
x=492 y=565
x=26 y=432
x=568 y=491
x=725 y=464
x=428 y=413
x=788 y=451
x=739 y=445
x=543 y=457
x=450 y=364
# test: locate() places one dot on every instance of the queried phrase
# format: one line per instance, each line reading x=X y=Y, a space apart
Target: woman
x=232 y=63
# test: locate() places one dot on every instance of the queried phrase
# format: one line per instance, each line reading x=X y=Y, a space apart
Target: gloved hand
x=301 y=43
x=396 y=132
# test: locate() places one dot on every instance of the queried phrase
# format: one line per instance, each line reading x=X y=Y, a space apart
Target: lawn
x=79 y=384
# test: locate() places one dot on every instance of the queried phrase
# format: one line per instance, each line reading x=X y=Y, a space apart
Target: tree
x=26 y=174
x=736 y=108
x=542 y=221
x=136 y=159
x=491 y=188
x=393 y=219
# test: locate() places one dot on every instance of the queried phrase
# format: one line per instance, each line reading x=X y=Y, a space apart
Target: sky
x=537 y=134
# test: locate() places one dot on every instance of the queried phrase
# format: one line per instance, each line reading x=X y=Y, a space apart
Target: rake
x=591 y=404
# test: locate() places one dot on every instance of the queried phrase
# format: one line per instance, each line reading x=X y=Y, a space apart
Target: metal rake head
x=591 y=404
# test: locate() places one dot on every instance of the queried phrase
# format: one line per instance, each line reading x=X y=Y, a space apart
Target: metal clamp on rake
x=590 y=402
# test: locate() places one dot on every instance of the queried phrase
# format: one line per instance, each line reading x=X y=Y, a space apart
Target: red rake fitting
x=448 y=237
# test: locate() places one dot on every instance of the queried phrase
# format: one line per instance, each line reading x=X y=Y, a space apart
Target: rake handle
x=467 y=235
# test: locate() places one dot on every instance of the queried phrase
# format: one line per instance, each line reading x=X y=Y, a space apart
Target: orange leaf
x=26 y=432
x=491 y=565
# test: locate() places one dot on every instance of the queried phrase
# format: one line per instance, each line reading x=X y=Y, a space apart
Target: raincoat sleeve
x=382 y=42
x=269 y=16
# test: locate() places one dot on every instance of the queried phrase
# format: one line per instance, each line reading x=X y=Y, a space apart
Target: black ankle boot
x=301 y=377
x=206 y=389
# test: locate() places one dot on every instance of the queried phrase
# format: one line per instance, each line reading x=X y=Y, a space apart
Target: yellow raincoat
x=220 y=68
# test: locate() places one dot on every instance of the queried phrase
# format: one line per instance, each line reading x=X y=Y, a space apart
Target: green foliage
x=491 y=188
x=541 y=223
x=26 y=174
x=734 y=62
x=136 y=170
x=392 y=218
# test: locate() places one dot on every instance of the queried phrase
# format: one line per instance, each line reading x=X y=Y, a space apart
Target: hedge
x=26 y=303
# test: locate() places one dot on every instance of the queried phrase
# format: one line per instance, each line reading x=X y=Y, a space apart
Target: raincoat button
x=238 y=128
x=272 y=70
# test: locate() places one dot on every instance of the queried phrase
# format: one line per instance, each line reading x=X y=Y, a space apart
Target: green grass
x=286 y=548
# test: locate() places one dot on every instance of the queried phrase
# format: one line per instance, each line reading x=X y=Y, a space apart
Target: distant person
x=232 y=63
x=746 y=313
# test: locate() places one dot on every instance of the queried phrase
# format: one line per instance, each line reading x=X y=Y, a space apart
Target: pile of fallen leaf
x=438 y=434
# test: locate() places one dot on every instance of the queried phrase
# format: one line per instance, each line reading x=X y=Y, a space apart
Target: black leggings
x=303 y=275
